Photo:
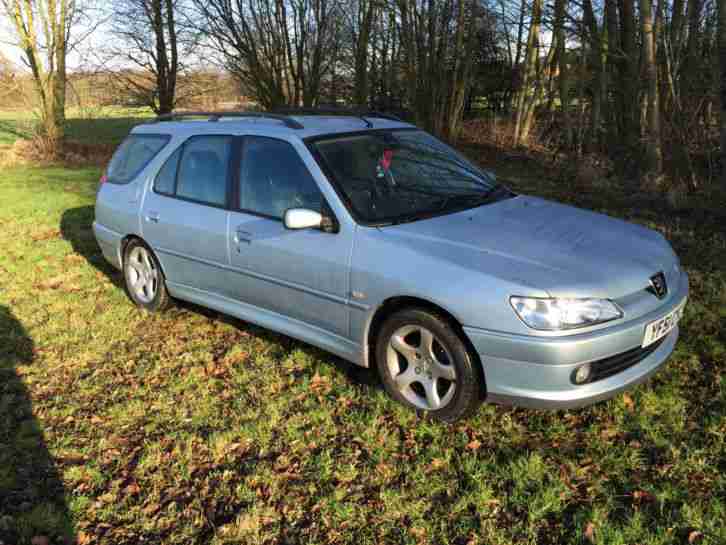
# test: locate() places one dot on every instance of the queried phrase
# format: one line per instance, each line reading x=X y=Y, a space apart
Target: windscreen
x=395 y=175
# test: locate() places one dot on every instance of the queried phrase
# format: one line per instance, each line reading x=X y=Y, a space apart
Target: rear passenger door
x=184 y=214
x=300 y=274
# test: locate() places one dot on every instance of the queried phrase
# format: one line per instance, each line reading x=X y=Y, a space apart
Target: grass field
x=88 y=126
x=121 y=427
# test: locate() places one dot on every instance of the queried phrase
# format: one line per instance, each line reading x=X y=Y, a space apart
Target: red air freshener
x=387 y=158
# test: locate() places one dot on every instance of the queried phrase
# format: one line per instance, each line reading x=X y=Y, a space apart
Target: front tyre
x=145 y=283
x=425 y=364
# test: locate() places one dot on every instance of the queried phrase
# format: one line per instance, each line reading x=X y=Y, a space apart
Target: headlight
x=555 y=314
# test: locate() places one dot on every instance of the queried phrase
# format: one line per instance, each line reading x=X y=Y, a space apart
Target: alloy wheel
x=421 y=367
x=142 y=274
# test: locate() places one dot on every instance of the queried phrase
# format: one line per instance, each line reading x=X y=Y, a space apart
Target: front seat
x=257 y=190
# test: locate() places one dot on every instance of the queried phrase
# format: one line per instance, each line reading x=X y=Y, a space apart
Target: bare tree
x=438 y=40
x=562 y=68
x=386 y=66
x=628 y=73
x=653 y=154
x=277 y=49
x=611 y=52
x=153 y=49
x=361 y=33
x=42 y=30
x=527 y=96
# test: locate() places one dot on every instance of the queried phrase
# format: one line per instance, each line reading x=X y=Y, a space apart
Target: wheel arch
x=394 y=304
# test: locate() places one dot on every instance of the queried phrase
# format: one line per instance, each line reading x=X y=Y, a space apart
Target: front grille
x=613 y=365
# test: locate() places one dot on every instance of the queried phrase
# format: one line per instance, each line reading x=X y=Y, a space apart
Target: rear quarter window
x=166 y=179
x=134 y=153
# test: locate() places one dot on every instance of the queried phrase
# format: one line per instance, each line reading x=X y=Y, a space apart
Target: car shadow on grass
x=32 y=495
x=76 y=227
x=360 y=376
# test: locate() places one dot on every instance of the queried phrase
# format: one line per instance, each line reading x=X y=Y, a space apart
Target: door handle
x=152 y=217
x=240 y=235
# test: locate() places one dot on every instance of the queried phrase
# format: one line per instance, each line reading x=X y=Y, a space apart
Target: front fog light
x=582 y=375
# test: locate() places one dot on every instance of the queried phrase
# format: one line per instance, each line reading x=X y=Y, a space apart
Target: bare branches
x=151 y=45
x=275 y=48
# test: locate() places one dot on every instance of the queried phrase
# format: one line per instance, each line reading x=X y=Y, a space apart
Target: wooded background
x=641 y=84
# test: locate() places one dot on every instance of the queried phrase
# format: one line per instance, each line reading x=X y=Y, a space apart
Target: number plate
x=658 y=329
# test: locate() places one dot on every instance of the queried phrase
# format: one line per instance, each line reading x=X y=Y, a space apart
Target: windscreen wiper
x=473 y=199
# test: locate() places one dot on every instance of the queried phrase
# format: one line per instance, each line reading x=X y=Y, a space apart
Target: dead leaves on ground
x=474 y=445
x=67 y=283
x=641 y=496
x=46 y=234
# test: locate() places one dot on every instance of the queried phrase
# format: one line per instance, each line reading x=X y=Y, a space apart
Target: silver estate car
x=371 y=239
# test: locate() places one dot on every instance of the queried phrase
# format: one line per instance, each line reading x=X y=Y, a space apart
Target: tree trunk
x=691 y=80
x=409 y=53
x=722 y=57
x=629 y=76
x=59 y=82
x=582 y=76
x=536 y=97
x=168 y=106
x=366 y=12
x=598 y=67
x=676 y=27
x=160 y=102
x=563 y=81
x=457 y=90
x=695 y=7
x=613 y=108
x=531 y=59
x=653 y=155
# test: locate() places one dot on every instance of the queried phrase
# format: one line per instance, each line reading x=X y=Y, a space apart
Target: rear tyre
x=144 y=279
x=425 y=365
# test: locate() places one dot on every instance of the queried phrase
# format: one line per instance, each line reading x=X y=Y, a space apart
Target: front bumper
x=536 y=372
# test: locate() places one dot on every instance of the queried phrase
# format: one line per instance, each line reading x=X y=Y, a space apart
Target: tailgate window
x=134 y=153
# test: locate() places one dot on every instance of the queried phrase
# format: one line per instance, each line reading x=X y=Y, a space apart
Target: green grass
x=117 y=426
x=106 y=125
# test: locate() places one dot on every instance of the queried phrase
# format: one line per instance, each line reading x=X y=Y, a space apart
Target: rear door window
x=134 y=153
x=204 y=169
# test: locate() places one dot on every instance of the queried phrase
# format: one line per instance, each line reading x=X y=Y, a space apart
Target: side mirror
x=302 y=218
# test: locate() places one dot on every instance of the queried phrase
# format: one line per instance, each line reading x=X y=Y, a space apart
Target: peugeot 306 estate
x=373 y=240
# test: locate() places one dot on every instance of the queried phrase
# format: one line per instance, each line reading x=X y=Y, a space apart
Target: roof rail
x=216 y=116
x=331 y=110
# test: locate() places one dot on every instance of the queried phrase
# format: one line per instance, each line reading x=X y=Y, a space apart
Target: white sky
x=81 y=56
x=85 y=55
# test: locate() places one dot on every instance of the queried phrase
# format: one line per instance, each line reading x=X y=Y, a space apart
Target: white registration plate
x=658 y=329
